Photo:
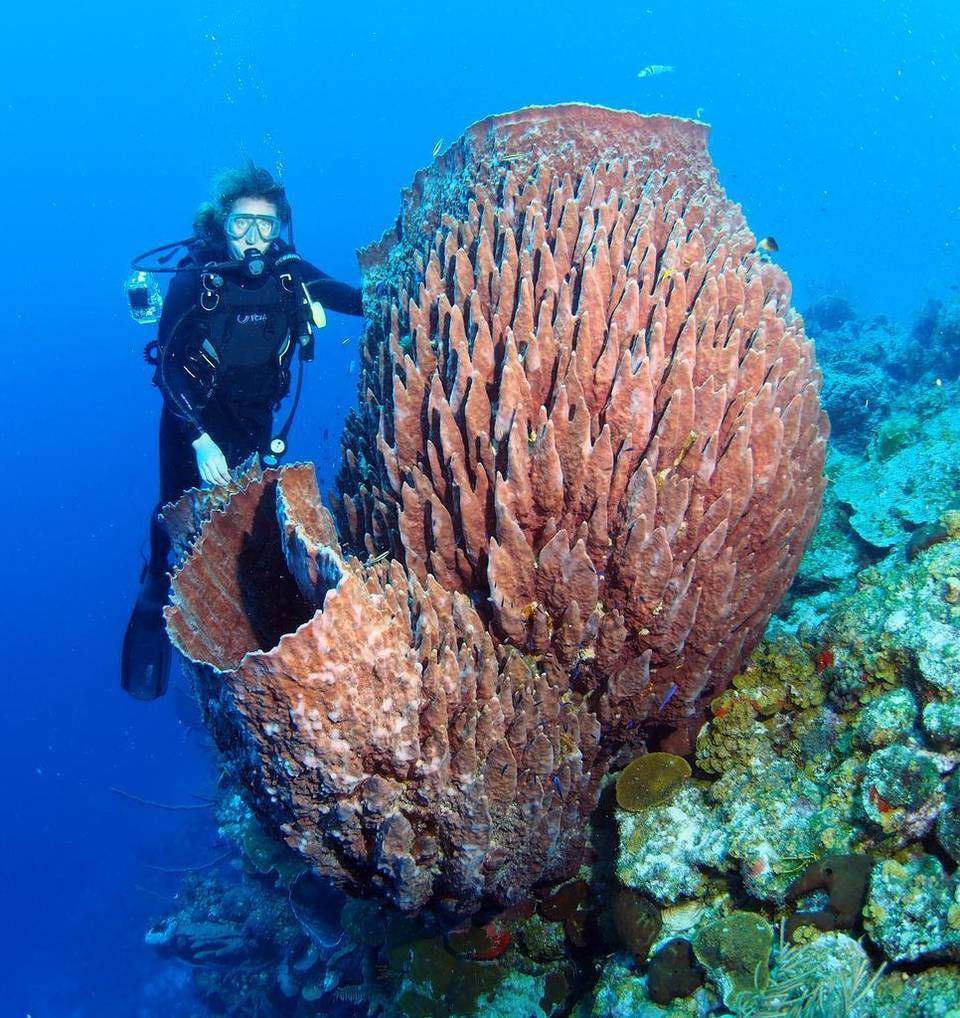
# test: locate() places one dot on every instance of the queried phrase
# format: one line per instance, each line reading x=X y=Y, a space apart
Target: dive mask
x=243 y=225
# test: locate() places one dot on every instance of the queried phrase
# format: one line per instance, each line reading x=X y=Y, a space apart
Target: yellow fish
x=437 y=147
x=652 y=70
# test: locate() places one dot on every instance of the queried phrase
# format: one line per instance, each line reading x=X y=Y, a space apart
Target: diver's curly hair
x=246 y=181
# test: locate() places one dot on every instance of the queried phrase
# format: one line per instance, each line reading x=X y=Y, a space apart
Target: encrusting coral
x=587 y=459
x=650 y=779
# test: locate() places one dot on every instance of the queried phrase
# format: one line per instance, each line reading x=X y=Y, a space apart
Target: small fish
x=347 y=340
x=353 y=364
x=699 y=113
x=556 y=784
x=512 y=158
x=326 y=434
x=437 y=147
x=652 y=70
x=769 y=244
x=937 y=382
x=668 y=696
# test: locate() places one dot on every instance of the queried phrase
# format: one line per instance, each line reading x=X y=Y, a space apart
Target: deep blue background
x=835 y=125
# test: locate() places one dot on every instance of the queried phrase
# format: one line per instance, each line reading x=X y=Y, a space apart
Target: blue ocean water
x=835 y=125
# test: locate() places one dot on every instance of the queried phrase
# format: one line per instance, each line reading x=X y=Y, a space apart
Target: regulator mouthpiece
x=253 y=262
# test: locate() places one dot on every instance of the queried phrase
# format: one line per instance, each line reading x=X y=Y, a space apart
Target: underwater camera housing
x=143 y=297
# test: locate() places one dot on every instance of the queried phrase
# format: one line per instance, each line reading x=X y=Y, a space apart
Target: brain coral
x=586 y=460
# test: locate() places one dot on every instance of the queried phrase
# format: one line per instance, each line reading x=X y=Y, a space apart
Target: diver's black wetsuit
x=238 y=415
x=221 y=371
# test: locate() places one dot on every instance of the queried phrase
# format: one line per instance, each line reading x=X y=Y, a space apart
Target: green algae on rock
x=899 y=628
x=735 y=950
x=894 y=491
x=901 y=792
x=948 y=823
x=941 y=722
x=543 y=940
x=623 y=993
x=665 y=849
x=650 y=780
x=933 y=993
x=912 y=909
x=887 y=720
x=781 y=676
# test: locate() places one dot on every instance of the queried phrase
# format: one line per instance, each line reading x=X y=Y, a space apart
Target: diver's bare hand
x=211 y=462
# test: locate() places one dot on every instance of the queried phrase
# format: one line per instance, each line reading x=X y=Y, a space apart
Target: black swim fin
x=145 y=661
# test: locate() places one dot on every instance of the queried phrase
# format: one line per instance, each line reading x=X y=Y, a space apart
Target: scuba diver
x=240 y=305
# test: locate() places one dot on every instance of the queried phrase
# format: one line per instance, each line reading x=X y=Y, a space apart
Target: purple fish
x=668 y=696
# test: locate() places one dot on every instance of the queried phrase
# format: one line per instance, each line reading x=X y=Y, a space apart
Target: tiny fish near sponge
x=586 y=459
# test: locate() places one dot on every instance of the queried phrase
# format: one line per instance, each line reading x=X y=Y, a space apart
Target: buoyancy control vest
x=247 y=332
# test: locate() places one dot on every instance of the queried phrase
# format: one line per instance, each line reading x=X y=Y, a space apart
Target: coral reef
x=893 y=492
x=586 y=457
x=878 y=373
x=933 y=993
x=826 y=796
x=900 y=628
x=586 y=462
x=238 y=933
x=913 y=909
x=665 y=849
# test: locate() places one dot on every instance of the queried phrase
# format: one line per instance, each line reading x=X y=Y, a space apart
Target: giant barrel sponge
x=586 y=459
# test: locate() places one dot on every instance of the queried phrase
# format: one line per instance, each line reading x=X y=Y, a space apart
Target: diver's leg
x=178 y=472
x=178 y=460
x=145 y=661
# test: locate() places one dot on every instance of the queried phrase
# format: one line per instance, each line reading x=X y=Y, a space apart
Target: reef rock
x=587 y=459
